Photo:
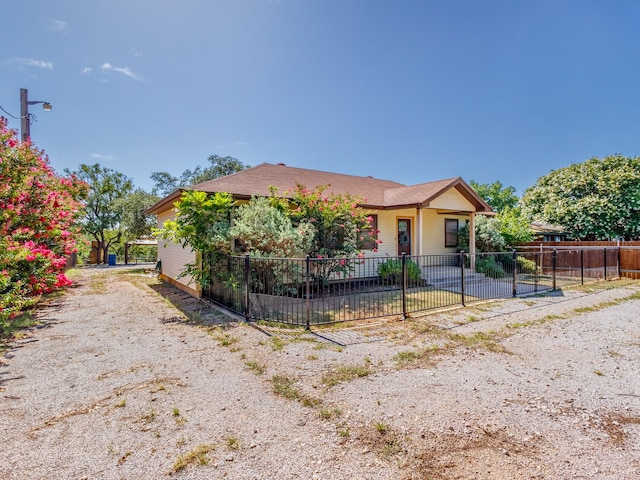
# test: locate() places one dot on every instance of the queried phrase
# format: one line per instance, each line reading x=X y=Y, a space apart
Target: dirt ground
x=127 y=378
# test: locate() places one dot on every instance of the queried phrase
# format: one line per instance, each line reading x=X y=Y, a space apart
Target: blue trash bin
x=112 y=260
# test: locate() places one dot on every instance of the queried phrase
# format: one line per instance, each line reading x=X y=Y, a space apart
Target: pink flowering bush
x=340 y=228
x=38 y=209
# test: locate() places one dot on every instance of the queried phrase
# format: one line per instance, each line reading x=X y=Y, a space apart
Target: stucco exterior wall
x=174 y=258
x=452 y=200
x=433 y=231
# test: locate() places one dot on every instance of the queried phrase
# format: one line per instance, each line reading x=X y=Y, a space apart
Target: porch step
x=451 y=279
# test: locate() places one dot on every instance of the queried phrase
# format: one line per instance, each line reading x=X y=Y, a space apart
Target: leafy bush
x=391 y=271
x=490 y=267
x=525 y=265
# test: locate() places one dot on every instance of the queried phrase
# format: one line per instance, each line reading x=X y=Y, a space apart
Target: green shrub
x=490 y=267
x=391 y=271
x=525 y=265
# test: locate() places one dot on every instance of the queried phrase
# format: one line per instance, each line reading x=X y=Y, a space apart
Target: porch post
x=419 y=230
x=472 y=240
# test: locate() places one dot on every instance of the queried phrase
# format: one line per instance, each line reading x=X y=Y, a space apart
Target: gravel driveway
x=127 y=378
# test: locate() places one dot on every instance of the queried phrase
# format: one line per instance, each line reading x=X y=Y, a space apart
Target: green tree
x=598 y=199
x=202 y=223
x=488 y=236
x=514 y=227
x=496 y=195
x=102 y=218
x=133 y=221
x=165 y=183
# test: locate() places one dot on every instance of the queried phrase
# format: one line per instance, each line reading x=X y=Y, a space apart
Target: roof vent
x=283 y=164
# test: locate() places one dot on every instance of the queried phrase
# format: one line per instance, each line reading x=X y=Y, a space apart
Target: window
x=370 y=235
x=450 y=232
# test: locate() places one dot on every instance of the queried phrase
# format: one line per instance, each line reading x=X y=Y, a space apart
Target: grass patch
x=13 y=329
x=199 y=455
x=599 y=286
x=381 y=427
x=284 y=387
x=277 y=343
x=328 y=414
x=223 y=339
x=233 y=443
x=122 y=403
x=484 y=340
x=255 y=367
x=406 y=357
x=345 y=373
x=180 y=420
x=98 y=284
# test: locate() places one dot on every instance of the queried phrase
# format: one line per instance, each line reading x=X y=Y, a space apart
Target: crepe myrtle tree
x=38 y=224
x=341 y=227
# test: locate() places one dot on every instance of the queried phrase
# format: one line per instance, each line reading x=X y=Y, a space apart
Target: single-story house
x=421 y=219
x=545 y=232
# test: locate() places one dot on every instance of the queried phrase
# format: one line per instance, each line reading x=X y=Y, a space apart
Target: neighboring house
x=545 y=232
x=421 y=219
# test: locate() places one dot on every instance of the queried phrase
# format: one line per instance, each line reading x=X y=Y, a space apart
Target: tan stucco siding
x=388 y=226
x=173 y=256
x=452 y=200
x=433 y=231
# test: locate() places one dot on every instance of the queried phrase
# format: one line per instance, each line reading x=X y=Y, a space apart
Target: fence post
x=308 y=293
x=582 y=266
x=247 y=269
x=604 y=252
x=404 y=285
x=462 y=260
x=619 y=272
x=535 y=272
x=514 y=262
x=554 y=262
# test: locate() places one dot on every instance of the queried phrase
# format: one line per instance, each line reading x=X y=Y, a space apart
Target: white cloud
x=123 y=70
x=57 y=25
x=99 y=156
x=86 y=70
x=31 y=62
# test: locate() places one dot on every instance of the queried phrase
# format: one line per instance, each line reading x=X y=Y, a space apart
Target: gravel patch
x=129 y=378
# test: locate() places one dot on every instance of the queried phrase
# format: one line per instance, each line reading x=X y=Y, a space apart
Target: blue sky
x=410 y=91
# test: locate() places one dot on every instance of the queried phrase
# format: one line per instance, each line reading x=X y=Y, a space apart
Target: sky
x=410 y=91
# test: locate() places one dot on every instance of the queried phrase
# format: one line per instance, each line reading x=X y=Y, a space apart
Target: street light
x=25 y=118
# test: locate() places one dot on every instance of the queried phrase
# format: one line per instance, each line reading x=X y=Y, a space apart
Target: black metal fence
x=312 y=291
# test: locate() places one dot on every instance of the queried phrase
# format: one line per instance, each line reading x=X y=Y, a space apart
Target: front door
x=404 y=236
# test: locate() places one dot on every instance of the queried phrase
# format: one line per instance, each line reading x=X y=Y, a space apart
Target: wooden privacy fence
x=628 y=253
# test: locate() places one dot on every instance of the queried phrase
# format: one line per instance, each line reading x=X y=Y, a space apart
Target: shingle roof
x=257 y=180
x=376 y=193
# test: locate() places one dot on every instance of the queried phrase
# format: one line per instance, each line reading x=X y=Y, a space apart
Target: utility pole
x=25 y=119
